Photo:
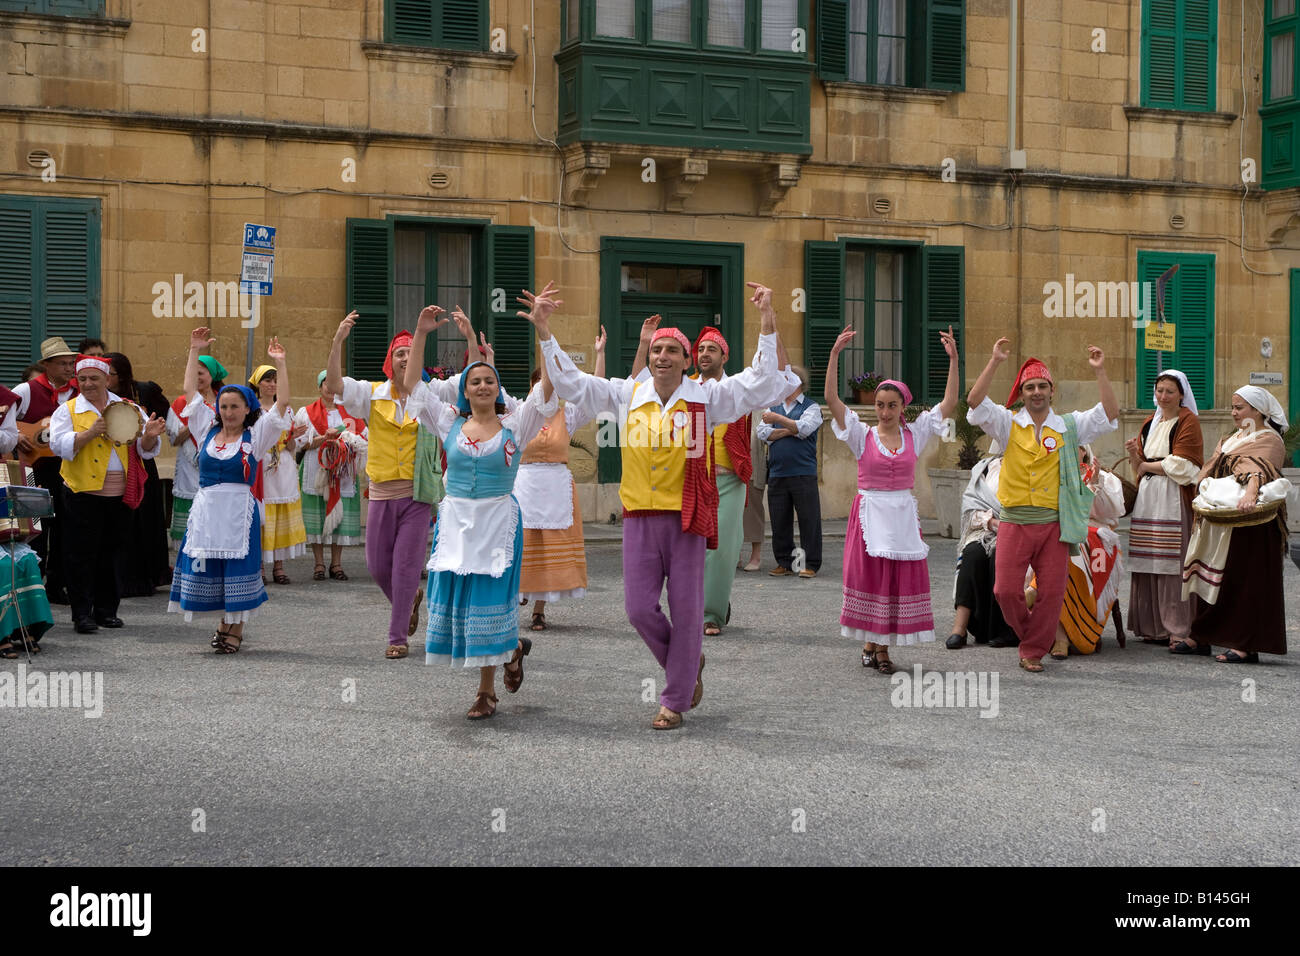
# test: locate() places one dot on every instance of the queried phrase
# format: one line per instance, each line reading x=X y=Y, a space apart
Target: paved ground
x=795 y=756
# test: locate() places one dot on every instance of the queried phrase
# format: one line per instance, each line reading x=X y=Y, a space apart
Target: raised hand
x=154 y=427
x=1002 y=349
x=600 y=342
x=540 y=304
x=428 y=320
x=345 y=327
x=297 y=432
x=842 y=340
x=1096 y=357
x=762 y=297
x=462 y=322
x=648 y=328
x=489 y=353
x=949 y=342
x=275 y=351
x=200 y=338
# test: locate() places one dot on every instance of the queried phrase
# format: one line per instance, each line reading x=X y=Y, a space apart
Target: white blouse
x=266 y=430
x=928 y=424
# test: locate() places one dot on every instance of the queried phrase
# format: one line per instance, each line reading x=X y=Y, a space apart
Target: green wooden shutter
x=17 y=296
x=945 y=47
x=1160 y=53
x=943 y=282
x=71 y=273
x=510 y=268
x=464 y=24
x=823 y=269
x=1198 y=52
x=370 y=293
x=411 y=21
x=833 y=39
x=1293 y=365
x=1189 y=304
x=69 y=8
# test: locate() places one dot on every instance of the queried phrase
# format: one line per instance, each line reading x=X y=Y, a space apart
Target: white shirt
x=266 y=430
x=759 y=386
x=808 y=422
x=9 y=430
x=63 y=437
x=24 y=393
x=996 y=420
x=358 y=393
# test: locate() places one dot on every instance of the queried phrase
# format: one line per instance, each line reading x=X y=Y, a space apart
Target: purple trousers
x=397 y=538
x=654 y=548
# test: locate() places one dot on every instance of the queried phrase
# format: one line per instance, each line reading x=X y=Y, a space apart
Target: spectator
x=790 y=429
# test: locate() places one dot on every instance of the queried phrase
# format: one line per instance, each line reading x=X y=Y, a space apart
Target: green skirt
x=349 y=530
x=180 y=516
x=32 y=602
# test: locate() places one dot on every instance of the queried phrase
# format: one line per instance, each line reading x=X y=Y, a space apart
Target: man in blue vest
x=790 y=429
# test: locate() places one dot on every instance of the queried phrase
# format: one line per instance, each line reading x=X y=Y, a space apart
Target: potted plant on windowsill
x=864 y=387
x=948 y=484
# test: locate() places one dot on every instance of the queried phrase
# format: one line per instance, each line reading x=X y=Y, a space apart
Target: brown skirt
x=1250 y=614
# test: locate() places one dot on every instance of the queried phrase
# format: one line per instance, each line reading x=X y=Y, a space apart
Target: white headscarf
x=1265 y=403
x=1189 y=399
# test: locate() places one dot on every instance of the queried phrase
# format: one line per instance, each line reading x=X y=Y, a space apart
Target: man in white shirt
x=790 y=429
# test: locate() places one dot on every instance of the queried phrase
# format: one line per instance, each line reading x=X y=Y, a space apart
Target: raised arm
x=275 y=352
x=949 y=403
x=980 y=390
x=429 y=321
x=1097 y=359
x=334 y=367
x=648 y=328
x=762 y=298
x=591 y=394
x=466 y=328
x=198 y=341
x=832 y=391
x=540 y=308
x=599 y=368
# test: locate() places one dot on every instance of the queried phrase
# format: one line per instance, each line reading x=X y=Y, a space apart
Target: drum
x=123 y=422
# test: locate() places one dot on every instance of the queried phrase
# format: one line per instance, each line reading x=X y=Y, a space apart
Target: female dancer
x=283 y=534
x=886 y=579
x=212 y=378
x=1165 y=459
x=555 y=561
x=1236 y=568
x=219 y=565
x=474 y=578
x=331 y=496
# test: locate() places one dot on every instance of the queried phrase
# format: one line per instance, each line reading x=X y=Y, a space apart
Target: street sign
x=1265 y=378
x=257 y=272
x=1159 y=337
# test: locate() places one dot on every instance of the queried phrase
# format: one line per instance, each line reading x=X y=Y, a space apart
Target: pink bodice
x=878 y=471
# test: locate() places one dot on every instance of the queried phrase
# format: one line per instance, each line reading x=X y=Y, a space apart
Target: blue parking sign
x=259 y=237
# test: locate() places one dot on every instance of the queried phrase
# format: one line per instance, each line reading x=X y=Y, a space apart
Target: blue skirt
x=232 y=586
x=473 y=618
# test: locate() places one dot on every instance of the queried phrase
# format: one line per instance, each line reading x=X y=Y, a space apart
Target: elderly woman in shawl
x=977 y=611
x=1165 y=458
x=1234 y=564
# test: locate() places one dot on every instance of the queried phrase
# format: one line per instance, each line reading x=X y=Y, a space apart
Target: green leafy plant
x=1291 y=439
x=969 y=453
x=867 y=381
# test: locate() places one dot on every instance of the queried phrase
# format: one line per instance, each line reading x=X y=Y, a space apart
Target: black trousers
x=787 y=497
x=975 y=591
x=48 y=545
x=96 y=528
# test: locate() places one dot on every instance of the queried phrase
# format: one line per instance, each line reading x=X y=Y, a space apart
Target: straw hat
x=55 y=347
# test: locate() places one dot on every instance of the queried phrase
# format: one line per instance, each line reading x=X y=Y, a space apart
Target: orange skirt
x=555 y=561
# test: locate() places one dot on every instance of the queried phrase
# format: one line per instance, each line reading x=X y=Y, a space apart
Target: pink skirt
x=885 y=601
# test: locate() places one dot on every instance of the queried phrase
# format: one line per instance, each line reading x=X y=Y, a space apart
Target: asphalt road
x=796 y=755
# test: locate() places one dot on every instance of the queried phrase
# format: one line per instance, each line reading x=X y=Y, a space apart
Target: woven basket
x=1130 y=489
x=1262 y=514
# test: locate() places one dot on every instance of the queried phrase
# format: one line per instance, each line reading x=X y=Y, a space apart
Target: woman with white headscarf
x=1236 y=568
x=1165 y=458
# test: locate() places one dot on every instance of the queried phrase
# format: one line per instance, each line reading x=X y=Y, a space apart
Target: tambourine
x=122 y=422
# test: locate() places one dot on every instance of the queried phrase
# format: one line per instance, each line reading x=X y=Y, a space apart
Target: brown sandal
x=396 y=652
x=712 y=630
x=1032 y=664
x=699 y=685
x=225 y=647
x=319 y=573
x=279 y=577
x=514 y=679
x=8 y=651
x=667 y=721
x=485 y=705
x=539 y=622
x=336 y=572
x=883 y=663
x=415 y=613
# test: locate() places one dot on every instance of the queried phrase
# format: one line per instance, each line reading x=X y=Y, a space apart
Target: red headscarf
x=673 y=334
x=709 y=334
x=402 y=339
x=1032 y=368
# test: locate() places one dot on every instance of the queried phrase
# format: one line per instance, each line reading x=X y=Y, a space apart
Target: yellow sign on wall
x=1160 y=337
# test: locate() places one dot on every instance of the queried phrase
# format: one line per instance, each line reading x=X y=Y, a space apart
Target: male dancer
x=1029 y=530
x=669 y=498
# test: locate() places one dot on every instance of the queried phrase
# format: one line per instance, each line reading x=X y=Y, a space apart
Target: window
x=670 y=21
x=1179 y=54
x=893 y=42
x=67 y=8
x=738 y=25
x=780 y=19
x=616 y=18
x=897 y=297
x=396 y=267
x=1279 y=52
x=1280 y=112
x=1189 y=305
x=49 y=276
x=447 y=24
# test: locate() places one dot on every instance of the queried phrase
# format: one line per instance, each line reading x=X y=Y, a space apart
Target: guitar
x=38 y=433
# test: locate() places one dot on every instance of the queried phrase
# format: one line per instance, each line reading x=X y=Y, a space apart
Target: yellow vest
x=721 y=457
x=654 y=458
x=392 y=446
x=87 y=471
x=1031 y=472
